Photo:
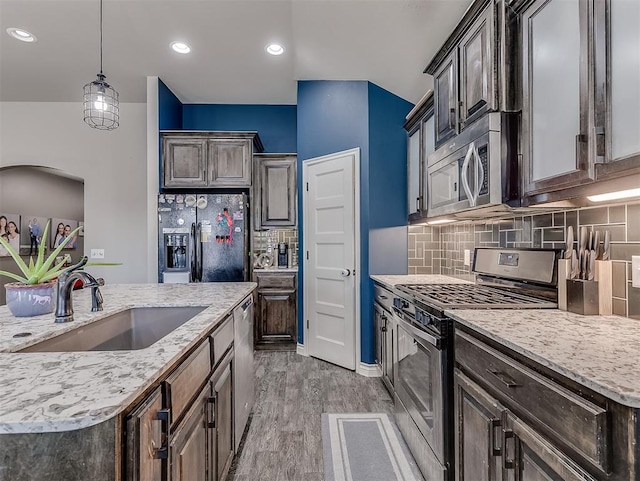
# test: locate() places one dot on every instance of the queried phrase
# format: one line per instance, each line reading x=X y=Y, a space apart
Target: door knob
x=345 y=272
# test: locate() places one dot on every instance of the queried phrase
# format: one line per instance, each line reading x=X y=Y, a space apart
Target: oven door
x=419 y=365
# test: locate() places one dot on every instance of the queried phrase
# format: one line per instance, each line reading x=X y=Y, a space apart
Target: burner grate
x=471 y=295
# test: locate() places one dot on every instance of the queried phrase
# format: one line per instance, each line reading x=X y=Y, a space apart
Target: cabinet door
x=477 y=83
x=531 y=457
x=146 y=440
x=277 y=317
x=221 y=401
x=184 y=161
x=478 y=434
x=414 y=202
x=277 y=184
x=445 y=87
x=555 y=95
x=189 y=443
x=379 y=329
x=388 y=349
x=617 y=73
x=229 y=162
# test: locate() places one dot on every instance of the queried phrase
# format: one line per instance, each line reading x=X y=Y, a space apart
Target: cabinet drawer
x=276 y=281
x=562 y=414
x=183 y=383
x=222 y=339
x=383 y=297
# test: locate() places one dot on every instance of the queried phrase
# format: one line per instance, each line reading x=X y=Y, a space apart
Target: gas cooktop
x=471 y=296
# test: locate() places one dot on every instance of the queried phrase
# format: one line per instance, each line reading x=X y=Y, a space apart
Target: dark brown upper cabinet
x=274 y=187
x=467 y=69
x=420 y=144
x=208 y=159
x=580 y=97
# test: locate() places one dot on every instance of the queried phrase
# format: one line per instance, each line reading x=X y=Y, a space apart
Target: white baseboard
x=369 y=370
x=302 y=350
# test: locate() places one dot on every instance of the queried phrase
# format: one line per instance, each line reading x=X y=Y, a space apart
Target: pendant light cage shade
x=101 y=109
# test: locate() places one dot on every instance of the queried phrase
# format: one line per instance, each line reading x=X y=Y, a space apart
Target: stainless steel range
x=505 y=279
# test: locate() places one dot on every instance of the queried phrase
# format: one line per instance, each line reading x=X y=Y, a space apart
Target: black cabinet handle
x=383 y=328
x=507 y=463
x=211 y=415
x=163 y=415
x=496 y=450
x=504 y=379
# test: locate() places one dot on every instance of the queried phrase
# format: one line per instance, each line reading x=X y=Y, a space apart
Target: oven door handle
x=415 y=332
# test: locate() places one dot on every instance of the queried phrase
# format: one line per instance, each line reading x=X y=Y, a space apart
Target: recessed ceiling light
x=21 y=34
x=180 y=47
x=274 y=49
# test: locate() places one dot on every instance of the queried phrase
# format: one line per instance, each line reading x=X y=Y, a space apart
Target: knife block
x=582 y=297
x=605 y=290
x=564 y=270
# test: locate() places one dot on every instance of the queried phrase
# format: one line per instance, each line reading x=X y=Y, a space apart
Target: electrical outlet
x=467 y=257
x=635 y=271
x=97 y=253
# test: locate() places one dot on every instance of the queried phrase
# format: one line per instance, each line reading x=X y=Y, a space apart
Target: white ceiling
x=388 y=42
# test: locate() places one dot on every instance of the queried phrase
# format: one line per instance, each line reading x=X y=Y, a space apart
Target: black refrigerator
x=202 y=238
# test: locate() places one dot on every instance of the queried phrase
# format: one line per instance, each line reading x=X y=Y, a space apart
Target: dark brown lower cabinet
x=276 y=311
x=201 y=448
x=188 y=446
x=183 y=431
x=478 y=418
x=533 y=458
x=493 y=444
x=222 y=434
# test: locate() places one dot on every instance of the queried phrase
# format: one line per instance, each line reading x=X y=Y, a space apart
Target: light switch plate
x=97 y=253
x=635 y=271
x=467 y=257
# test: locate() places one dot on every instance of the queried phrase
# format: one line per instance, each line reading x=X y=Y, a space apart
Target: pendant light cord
x=100 y=37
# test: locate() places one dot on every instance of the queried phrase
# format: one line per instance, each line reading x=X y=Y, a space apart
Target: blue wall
x=339 y=115
x=169 y=109
x=276 y=124
x=386 y=200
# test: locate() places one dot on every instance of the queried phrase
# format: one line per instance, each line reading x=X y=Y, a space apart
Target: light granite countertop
x=391 y=281
x=275 y=269
x=599 y=352
x=62 y=391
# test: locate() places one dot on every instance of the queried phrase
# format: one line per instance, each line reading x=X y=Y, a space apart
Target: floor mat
x=365 y=447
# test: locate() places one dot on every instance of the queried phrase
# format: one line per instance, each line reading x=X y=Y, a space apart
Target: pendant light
x=101 y=109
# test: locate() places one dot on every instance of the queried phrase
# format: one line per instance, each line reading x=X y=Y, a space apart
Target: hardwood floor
x=284 y=438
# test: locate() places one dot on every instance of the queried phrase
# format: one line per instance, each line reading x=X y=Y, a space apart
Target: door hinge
x=307 y=323
x=307 y=255
x=307 y=186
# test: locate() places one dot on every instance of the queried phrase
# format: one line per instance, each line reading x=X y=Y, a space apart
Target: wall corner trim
x=302 y=350
x=369 y=370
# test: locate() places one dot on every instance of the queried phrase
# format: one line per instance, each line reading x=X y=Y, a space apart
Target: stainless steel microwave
x=478 y=169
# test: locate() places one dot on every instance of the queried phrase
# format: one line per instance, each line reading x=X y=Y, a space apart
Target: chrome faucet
x=66 y=280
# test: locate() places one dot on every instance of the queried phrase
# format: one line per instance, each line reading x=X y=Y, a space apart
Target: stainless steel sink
x=135 y=328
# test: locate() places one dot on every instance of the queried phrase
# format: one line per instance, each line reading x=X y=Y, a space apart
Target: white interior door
x=330 y=261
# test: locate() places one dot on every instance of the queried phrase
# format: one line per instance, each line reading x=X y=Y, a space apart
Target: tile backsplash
x=440 y=250
x=265 y=239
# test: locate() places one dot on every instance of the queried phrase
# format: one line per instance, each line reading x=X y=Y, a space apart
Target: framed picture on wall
x=60 y=230
x=81 y=231
x=10 y=230
x=31 y=230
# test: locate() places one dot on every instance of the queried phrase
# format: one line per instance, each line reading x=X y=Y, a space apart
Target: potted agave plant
x=34 y=292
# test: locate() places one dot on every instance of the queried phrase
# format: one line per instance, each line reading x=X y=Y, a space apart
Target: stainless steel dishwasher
x=243 y=370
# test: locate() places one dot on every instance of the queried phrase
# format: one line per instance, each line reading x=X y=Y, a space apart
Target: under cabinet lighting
x=621 y=194
x=180 y=47
x=274 y=49
x=21 y=34
x=440 y=221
